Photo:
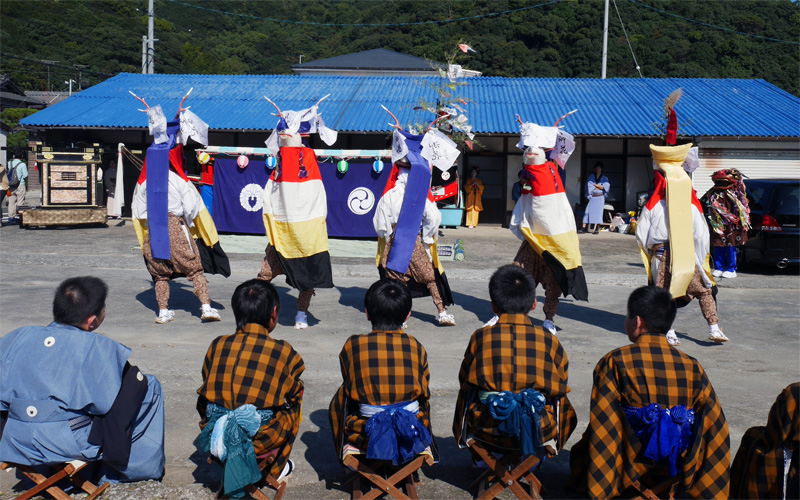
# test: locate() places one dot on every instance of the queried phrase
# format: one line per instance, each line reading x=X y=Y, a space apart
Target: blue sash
x=158 y=192
x=396 y=434
x=519 y=416
x=411 y=211
x=665 y=433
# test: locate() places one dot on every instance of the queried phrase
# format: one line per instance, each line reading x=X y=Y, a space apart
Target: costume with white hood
x=175 y=230
x=543 y=219
x=406 y=221
x=672 y=232
x=295 y=209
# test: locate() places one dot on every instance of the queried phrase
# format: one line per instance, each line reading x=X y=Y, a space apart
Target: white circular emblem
x=31 y=411
x=252 y=197
x=445 y=176
x=360 y=201
x=49 y=341
x=139 y=376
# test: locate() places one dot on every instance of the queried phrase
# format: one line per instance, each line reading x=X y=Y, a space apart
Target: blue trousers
x=147 y=447
x=724 y=258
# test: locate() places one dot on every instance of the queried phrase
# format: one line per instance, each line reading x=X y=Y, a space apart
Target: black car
x=775 y=218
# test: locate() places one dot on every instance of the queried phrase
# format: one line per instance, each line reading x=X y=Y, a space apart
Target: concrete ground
x=758 y=311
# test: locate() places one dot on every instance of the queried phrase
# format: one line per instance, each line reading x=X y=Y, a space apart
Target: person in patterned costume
x=251 y=368
x=759 y=469
x=382 y=368
x=609 y=457
x=512 y=355
x=728 y=213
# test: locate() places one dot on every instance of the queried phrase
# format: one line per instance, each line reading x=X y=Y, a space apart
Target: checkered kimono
x=511 y=356
x=758 y=468
x=250 y=367
x=380 y=368
x=650 y=371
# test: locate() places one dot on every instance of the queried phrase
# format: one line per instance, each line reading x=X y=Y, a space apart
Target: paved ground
x=758 y=311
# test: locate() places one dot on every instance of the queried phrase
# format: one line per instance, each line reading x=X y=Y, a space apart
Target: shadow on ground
x=181 y=298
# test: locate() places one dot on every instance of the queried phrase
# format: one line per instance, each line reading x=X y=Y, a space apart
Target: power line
x=41 y=61
x=380 y=25
x=627 y=39
x=713 y=26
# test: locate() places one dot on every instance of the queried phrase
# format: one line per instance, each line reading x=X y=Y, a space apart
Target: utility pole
x=80 y=68
x=151 y=52
x=148 y=43
x=48 y=63
x=605 y=42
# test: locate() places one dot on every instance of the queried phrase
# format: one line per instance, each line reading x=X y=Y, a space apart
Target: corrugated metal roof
x=617 y=106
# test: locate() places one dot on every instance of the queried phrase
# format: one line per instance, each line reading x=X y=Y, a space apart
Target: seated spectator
x=646 y=387
x=67 y=393
x=383 y=370
x=515 y=356
x=760 y=467
x=252 y=380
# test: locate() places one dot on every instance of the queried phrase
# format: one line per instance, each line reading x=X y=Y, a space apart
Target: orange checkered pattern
x=511 y=356
x=250 y=367
x=650 y=371
x=757 y=470
x=380 y=368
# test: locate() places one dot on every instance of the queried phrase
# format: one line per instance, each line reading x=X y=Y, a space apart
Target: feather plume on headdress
x=672 y=119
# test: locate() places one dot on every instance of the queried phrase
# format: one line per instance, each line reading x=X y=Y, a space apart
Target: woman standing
x=597 y=188
x=474 y=189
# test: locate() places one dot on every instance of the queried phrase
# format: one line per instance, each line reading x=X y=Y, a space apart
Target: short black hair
x=78 y=298
x=599 y=164
x=512 y=290
x=388 y=303
x=253 y=302
x=655 y=306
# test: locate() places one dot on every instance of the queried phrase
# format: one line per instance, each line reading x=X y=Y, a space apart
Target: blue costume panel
x=55 y=380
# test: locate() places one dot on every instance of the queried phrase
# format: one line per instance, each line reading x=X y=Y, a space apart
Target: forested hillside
x=540 y=38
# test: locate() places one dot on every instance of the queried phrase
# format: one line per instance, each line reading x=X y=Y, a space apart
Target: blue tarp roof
x=615 y=107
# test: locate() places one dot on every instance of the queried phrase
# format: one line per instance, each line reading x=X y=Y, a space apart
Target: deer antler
x=181 y=109
x=438 y=118
x=557 y=121
x=142 y=101
x=396 y=122
x=280 y=113
x=325 y=97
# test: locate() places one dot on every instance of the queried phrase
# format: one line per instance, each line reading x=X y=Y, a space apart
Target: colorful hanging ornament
x=377 y=165
x=271 y=162
x=242 y=161
x=203 y=158
x=342 y=166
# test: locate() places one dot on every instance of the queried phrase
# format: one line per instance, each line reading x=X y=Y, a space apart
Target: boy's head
x=81 y=302
x=650 y=310
x=256 y=301
x=388 y=304
x=512 y=290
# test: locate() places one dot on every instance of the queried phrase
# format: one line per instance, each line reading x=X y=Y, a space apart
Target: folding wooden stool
x=383 y=477
x=651 y=493
x=67 y=470
x=509 y=471
x=265 y=461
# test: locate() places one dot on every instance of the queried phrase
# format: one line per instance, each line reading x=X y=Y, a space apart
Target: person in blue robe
x=68 y=393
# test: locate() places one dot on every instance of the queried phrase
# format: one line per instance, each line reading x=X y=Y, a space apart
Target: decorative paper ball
x=203 y=158
x=377 y=166
x=242 y=161
x=271 y=161
x=342 y=166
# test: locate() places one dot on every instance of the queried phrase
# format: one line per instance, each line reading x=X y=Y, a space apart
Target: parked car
x=775 y=218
